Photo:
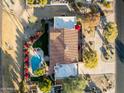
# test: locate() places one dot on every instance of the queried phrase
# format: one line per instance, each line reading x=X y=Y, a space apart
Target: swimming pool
x=36 y=62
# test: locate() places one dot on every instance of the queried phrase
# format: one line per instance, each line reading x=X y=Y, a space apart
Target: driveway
x=51 y=11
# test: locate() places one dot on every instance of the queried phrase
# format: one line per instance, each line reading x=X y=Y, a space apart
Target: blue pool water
x=36 y=61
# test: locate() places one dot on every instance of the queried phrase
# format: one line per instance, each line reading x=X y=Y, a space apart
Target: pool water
x=36 y=60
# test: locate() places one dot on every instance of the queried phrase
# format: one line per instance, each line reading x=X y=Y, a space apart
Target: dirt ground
x=12 y=37
x=102 y=82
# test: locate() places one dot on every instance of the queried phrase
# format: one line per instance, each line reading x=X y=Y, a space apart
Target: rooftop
x=65 y=70
x=64 y=22
x=63 y=46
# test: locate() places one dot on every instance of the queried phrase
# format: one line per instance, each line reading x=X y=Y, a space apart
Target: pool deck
x=31 y=53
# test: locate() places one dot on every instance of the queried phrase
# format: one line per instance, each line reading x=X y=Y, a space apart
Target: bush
x=107 y=4
x=74 y=85
x=24 y=87
x=94 y=9
x=43 y=2
x=39 y=72
x=90 y=58
x=110 y=32
x=45 y=85
x=30 y=1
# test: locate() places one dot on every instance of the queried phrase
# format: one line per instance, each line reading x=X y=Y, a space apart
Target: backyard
x=42 y=42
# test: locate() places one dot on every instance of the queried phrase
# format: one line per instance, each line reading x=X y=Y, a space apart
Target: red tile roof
x=63 y=47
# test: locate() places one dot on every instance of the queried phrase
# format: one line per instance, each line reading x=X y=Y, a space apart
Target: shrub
x=110 y=32
x=74 y=85
x=45 y=85
x=39 y=72
x=90 y=58
x=43 y=2
x=30 y=1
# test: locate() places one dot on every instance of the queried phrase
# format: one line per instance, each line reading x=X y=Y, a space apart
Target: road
x=120 y=66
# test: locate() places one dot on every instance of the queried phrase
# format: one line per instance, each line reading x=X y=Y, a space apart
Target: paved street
x=120 y=66
x=51 y=11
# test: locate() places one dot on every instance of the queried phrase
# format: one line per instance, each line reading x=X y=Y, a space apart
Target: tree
x=74 y=85
x=43 y=2
x=104 y=1
x=45 y=85
x=32 y=19
x=24 y=88
x=107 y=5
x=110 y=32
x=90 y=58
x=30 y=1
x=79 y=4
x=94 y=9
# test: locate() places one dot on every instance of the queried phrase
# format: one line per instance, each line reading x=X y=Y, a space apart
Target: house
x=63 y=43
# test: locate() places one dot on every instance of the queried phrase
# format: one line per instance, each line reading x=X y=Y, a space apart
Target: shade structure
x=78 y=27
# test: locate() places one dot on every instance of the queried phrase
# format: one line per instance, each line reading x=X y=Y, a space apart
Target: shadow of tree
x=92 y=88
x=12 y=66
